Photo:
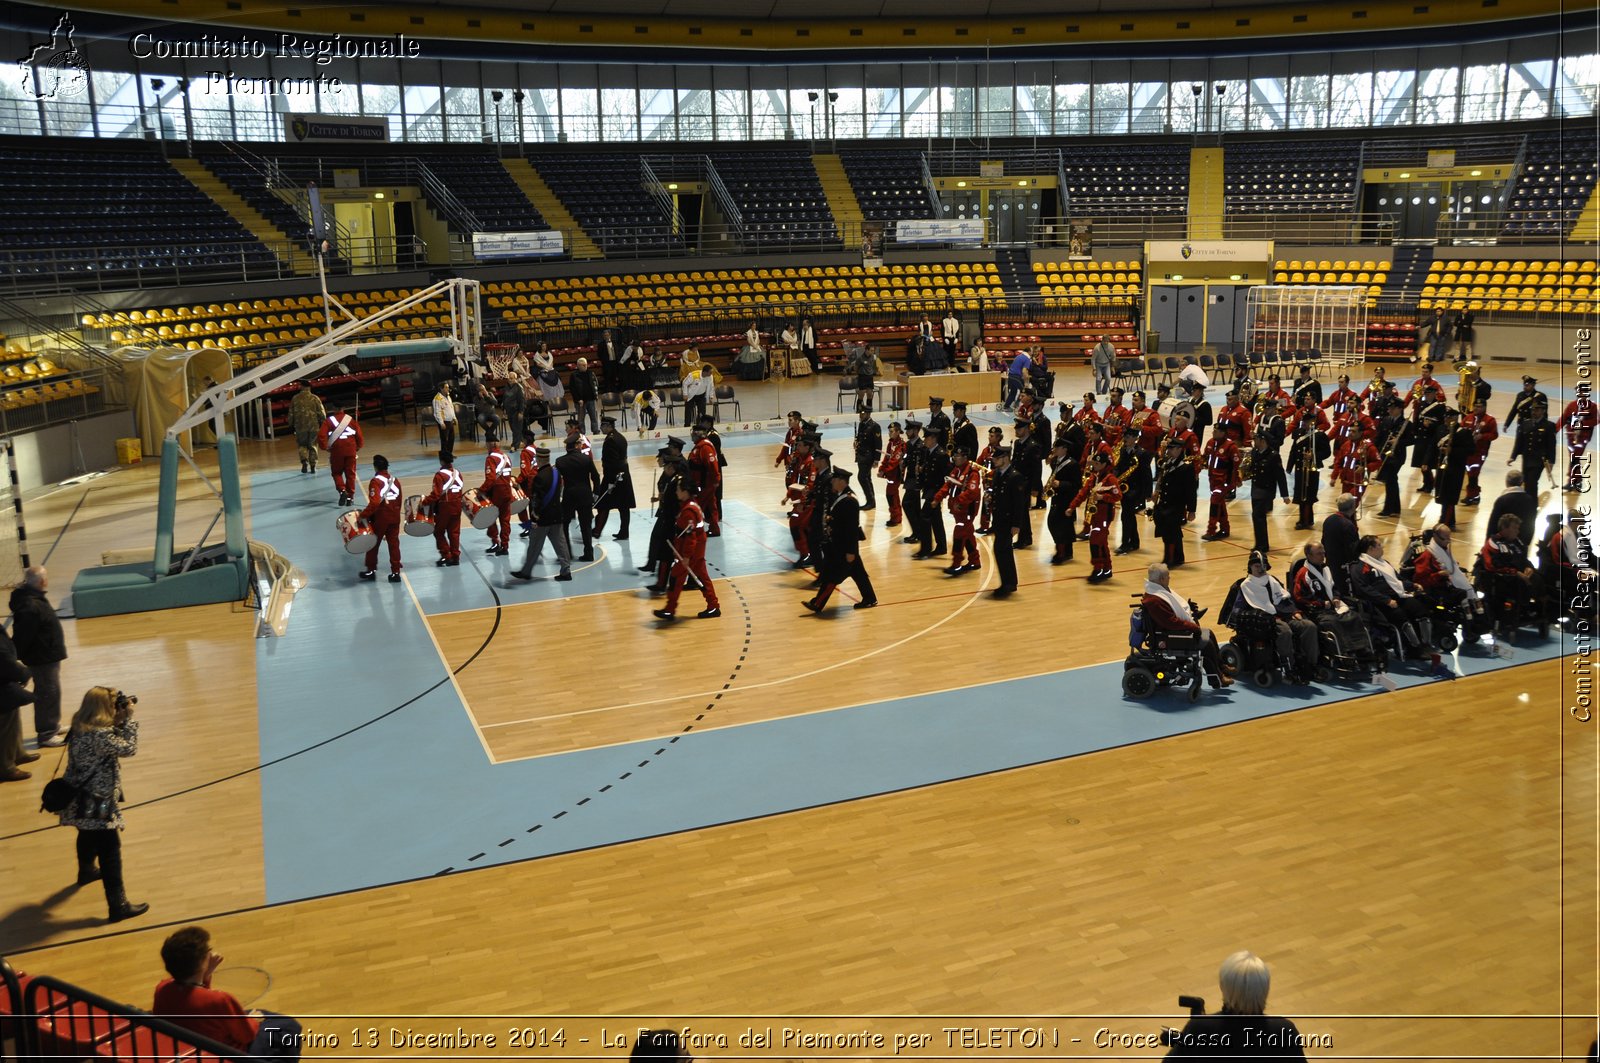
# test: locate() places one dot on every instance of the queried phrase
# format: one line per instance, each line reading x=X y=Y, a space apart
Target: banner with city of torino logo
x=312 y=128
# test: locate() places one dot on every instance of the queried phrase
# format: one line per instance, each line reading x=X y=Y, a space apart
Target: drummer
x=496 y=490
x=383 y=513
x=445 y=503
x=527 y=469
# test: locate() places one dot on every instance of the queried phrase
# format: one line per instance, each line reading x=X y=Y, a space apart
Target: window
x=619 y=115
x=1483 y=93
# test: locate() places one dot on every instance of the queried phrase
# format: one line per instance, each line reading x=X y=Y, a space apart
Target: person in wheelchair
x=1506 y=576
x=1436 y=573
x=1165 y=611
x=1566 y=560
x=1260 y=607
x=1315 y=592
x=1376 y=583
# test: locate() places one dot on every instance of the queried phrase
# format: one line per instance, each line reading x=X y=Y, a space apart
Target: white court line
x=472 y=717
x=988 y=573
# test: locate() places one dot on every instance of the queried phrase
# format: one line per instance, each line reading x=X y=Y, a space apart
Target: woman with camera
x=103 y=732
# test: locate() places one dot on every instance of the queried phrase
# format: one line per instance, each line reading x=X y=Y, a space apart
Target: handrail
x=62 y=337
x=931 y=185
x=1063 y=189
x=37 y=1005
x=437 y=190
x=730 y=209
x=657 y=190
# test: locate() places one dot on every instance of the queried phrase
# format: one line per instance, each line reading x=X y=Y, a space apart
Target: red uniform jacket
x=446 y=493
x=345 y=444
x=1341 y=400
x=1292 y=422
x=496 y=469
x=529 y=466
x=1222 y=462
x=1115 y=420
x=1369 y=395
x=1578 y=419
x=1146 y=423
x=804 y=471
x=1424 y=392
x=1353 y=460
x=1236 y=422
x=964 y=487
x=789 y=439
x=1105 y=502
x=691 y=537
x=1343 y=427
x=1086 y=416
x=894 y=453
x=383 y=500
x=1191 y=445
x=1485 y=430
x=703 y=461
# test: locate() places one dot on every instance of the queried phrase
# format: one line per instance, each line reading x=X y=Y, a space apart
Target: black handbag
x=58 y=792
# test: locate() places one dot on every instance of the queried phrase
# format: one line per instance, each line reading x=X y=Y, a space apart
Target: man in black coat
x=1066 y=477
x=1536 y=446
x=1455 y=450
x=911 y=481
x=933 y=465
x=963 y=433
x=841 y=545
x=1203 y=417
x=12 y=697
x=585 y=392
x=1515 y=499
x=938 y=422
x=1027 y=457
x=580 y=480
x=608 y=353
x=658 y=563
x=616 y=491
x=869 y=448
x=1267 y=482
x=549 y=520
x=1394 y=435
x=1522 y=403
x=1341 y=538
x=1008 y=517
x=41 y=646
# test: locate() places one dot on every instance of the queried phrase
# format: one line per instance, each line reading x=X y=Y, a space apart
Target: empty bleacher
x=779 y=196
x=1131 y=180
x=1555 y=182
x=888 y=184
x=605 y=193
x=1511 y=284
x=1065 y=284
x=92 y=215
x=1369 y=273
x=1298 y=177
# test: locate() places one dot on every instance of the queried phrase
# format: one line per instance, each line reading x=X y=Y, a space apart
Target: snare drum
x=1171 y=408
x=519 y=500
x=478 y=511
x=357 y=533
x=418 y=517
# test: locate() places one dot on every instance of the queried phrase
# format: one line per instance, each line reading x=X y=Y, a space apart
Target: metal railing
x=27 y=405
x=656 y=188
x=931 y=185
x=1118 y=229
x=730 y=207
x=61 y=1020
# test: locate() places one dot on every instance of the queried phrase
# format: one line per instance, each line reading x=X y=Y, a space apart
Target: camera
x=126 y=702
x=1196 y=1006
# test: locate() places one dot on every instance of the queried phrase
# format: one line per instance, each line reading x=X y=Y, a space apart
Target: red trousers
x=891 y=491
x=342 y=467
x=799 y=521
x=500 y=530
x=962 y=537
x=1354 y=488
x=447 y=533
x=1217 y=521
x=712 y=507
x=387 y=530
x=1100 y=534
x=681 y=570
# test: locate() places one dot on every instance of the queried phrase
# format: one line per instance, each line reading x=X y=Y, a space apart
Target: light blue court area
x=375 y=773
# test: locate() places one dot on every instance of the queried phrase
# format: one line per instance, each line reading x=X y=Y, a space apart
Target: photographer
x=103 y=732
x=1242 y=1029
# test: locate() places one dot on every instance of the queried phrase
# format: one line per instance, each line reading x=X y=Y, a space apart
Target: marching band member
x=1272 y=423
x=528 y=468
x=964 y=488
x=688 y=545
x=789 y=437
x=659 y=560
x=1484 y=432
x=1010 y=510
x=986 y=459
x=802 y=471
x=894 y=453
x=1578 y=424
x=445 y=505
x=707 y=472
x=383 y=513
x=1174 y=488
x=1454 y=451
x=1355 y=459
x=496 y=490
x=340 y=436
x=617 y=492
x=580 y=482
x=1133 y=473
x=1425 y=398
x=1342 y=398
x=575 y=434
x=1535 y=445
x=1522 y=401
x=1027 y=458
x=1086 y=413
x=1222 y=474
x=814 y=505
x=1235 y=420
x=1066 y=480
x=868 y=445
x=1101 y=490
x=963 y=434
x=911 y=481
x=933 y=465
x=1267 y=482
x=841 y=551
x=938 y=422
x=1274 y=390
x=549 y=521
x=1306 y=382
x=1377 y=391
x=1203 y=416
x=1116 y=419
x=1144 y=427
x=1393 y=437
x=1308 y=425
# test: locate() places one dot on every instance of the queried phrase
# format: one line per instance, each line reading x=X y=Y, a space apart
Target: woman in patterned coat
x=103 y=732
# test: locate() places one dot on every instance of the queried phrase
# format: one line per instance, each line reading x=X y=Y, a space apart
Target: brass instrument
x=1467 y=389
x=1247 y=465
x=1248 y=393
x=1166 y=467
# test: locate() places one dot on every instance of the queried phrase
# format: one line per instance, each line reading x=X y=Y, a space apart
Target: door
x=1164 y=314
x=405 y=231
x=356 y=219
x=1220 y=317
x=1013 y=212
x=1189 y=330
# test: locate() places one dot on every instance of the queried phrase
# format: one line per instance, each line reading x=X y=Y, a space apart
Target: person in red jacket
x=445 y=500
x=186 y=999
x=383 y=513
x=894 y=453
x=689 y=546
x=1484 y=432
x=1235 y=420
x=1100 y=491
x=1343 y=397
x=790 y=437
x=496 y=490
x=1114 y=422
x=340 y=436
x=1437 y=574
x=1221 y=458
x=706 y=470
x=1578 y=422
x=964 y=488
x=1354 y=459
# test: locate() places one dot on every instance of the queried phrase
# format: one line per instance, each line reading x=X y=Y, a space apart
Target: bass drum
x=357 y=534
x=478 y=511
x=418 y=517
x=1171 y=408
x=519 y=500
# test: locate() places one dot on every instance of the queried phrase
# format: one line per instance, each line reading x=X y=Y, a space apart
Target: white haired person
x=1242 y=1029
x=1165 y=611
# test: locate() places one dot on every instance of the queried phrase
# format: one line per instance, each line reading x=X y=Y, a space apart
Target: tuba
x=1467 y=389
x=1247 y=465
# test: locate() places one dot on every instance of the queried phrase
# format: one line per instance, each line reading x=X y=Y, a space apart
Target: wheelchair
x=1510 y=603
x=1337 y=657
x=1160 y=659
x=1253 y=647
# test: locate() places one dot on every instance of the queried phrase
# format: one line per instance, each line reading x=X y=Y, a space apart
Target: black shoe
x=1475 y=499
x=714 y=535
x=955 y=570
x=647 y=568
x=867 y=509
x=664 y=614
x=802 y=561
x=303 y=467
x=709 y=614
x=814 y=584
x=868 y=604
x=891 y=524
x=454 y=562
x=1058 y=560
x=620 y=538
x=124 y=910
x=525 y=533
x=368 y=576
x=520 y=574
x=1003 y=592
x=1023 y=546
x=88 y=875
x=501 y=551
x=910 y=539
x=811 y=604
x=1125 y=549
x=441 y=563
x=565 y=576
x=922 y=555
x=587 y=556
x=970 y=568
x=394 y=577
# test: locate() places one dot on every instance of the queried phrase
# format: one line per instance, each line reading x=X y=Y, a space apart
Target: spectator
x=187 y=999
x=1103 y=359
x=697 y=389
x=1518 y=500
x=1016 y=380
x=36 y=630
x=1242 y=1029
x=1340 y=536
x=551 y=390
x=12 y=697
x=444 y=415
x=1191 y=374
x=585 y=391
x=103 y=732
